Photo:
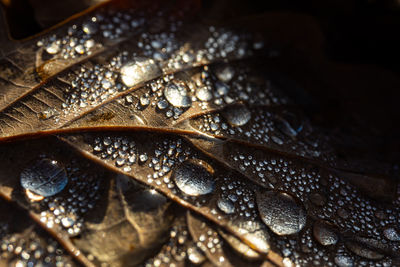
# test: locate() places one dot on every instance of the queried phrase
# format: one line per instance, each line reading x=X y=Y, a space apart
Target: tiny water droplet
x=177 y=95
x=46 y=177
x=280 y=212
x=194 y=178
x=237 y=115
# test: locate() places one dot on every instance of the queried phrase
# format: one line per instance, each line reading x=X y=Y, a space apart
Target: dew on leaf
x=139 y=70
x=195 y=255
x=194 y=178
x=391 y=234
x=344 y=261
x=89 y=27
x=225 y=74
x=46 y=177
x=280 y=212
x=237 y=115
x=226 y=205
x=204 y=94
x=177 y=95
x=324 y=234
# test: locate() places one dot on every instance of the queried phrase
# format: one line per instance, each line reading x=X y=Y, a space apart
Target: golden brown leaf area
x=136 y=135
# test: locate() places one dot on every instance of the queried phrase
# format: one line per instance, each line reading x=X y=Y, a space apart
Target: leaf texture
x=144 y=134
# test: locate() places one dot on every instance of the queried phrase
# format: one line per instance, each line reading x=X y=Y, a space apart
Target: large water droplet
x=46 y=177
x=204 y=94
x=324 y=234
x=226 y=205
x=225 y=74
x=391 y=234
x=237 y=115
x=194 y=178
x=139 y=70
x=280 y=212
x=177 y=95
x=344 y=261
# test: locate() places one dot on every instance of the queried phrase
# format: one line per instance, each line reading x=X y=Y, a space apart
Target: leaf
x=174 y=146
x=110 y=58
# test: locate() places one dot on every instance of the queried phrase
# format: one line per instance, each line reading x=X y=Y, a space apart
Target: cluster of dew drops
x=155 y=54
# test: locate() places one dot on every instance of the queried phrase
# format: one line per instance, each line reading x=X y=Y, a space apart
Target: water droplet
x=80 y=49
x=287 y=262
x=195 y=255
x=194 y=178
x=221 y=88
x=67 y=222
x=204 y=94
x=48 y=114
x=324 y=234
x=344 y=261
x=237 y=115
x=225 y=74
x=89 y=27
x=139 y=70
x=143 y=158
x=53 y=48
x=177 y=95
x=280 y=212
x=144 y=100
x=46 y=177
x=391 y=234
x=89 y=43
x=277 y=140
x=226 y=205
